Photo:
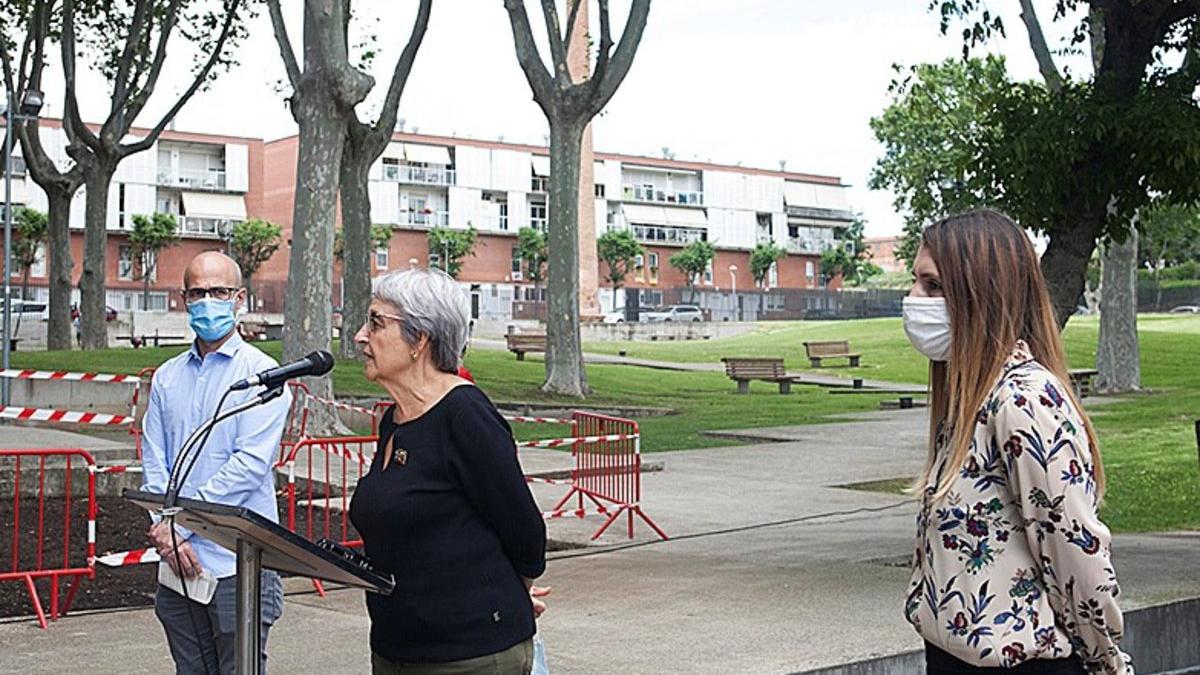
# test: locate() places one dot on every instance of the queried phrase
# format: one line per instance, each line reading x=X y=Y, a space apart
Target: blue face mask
x=211 y=319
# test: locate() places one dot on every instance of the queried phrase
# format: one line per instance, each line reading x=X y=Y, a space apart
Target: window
x=537 y=215
x=670 y=235
x=599 y=190
x=639 y=268
x=540 y=184
x=515 y=272
x=649 y=298
x=417 y=211
x=810 y=271
x=381 y=258
x=121 y=205
x=653 y=267
x=708 y=273
x=38 y=268
x=391 y=169
x=504 y=215
x=125 y=263
x=773 y=276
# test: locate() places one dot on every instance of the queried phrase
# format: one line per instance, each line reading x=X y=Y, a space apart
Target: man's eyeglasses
x=375 y=320
x=216 y=292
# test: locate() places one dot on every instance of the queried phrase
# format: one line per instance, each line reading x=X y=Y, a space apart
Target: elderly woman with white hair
x=444 y=506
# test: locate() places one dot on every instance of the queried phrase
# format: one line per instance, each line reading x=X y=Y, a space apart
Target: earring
x=413 y=354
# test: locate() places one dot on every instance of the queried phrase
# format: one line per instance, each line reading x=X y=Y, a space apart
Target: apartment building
x=424 y=181
x=210 y=182
x=207 y=182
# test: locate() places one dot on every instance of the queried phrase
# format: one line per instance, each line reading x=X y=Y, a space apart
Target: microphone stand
x=249 y=555
x=172 y=495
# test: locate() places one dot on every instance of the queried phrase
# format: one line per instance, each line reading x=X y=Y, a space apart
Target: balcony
x=810 y=246
x=819 y=213
x=209 y=179
x=640 y=193
x=425 y=218
x=204 y=226
x=681 y=236
x=417 y=175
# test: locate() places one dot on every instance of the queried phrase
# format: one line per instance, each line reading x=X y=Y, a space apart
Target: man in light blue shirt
x=234 y=467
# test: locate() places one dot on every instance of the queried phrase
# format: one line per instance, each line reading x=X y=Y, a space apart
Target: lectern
x=261 y=543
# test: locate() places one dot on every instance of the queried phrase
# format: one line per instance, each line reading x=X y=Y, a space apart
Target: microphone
x=316 y=363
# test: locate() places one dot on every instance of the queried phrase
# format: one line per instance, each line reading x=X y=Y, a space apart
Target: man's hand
x=536 y=592
x=182 y=559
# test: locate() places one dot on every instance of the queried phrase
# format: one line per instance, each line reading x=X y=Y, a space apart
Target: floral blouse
x=1013 y=563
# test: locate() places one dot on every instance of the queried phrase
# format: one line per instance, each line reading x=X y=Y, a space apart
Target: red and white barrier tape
x=73 y=417
x=64 y=375
x=127 y=558
x=114 y=469
x=557 y=442
x=536 y=420
x=343 y=406
x=546 y=481
x=580 y=513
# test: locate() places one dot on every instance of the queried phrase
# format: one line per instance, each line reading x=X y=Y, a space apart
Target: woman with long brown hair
x=1012 y=568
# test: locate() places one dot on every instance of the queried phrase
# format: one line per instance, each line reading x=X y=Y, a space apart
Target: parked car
x=25 y=307
x=110 y=314
x=1186 y=309
x=614 y=317
x=673 y=313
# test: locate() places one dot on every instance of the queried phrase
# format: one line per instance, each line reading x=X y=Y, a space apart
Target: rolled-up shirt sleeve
x=484 y=461
x=1052 y=476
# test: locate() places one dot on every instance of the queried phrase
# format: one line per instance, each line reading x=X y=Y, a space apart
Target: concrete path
x=770 y=570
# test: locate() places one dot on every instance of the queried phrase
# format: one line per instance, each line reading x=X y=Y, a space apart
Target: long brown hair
x=995 y=295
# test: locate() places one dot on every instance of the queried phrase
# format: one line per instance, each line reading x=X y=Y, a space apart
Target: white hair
x=431 y=304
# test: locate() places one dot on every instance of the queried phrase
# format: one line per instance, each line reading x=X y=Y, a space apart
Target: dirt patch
x=891 y=486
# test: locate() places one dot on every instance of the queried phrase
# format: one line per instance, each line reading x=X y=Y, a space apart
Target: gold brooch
x=400 y=457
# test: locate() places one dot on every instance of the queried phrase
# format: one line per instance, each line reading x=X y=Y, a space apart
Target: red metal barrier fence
x=31 y=556
x=607 y=471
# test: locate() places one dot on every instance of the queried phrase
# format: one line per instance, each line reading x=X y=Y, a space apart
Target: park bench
x=519 y=343
x=831 y=349
x=1081 y=380
x=742 y=370
x=157 y=339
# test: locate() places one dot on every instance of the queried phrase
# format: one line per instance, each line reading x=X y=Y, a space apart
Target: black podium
x=261 y=543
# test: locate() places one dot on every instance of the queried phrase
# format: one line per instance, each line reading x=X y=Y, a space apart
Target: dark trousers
x=202 y=638
x=938 y=662
x=516 y=660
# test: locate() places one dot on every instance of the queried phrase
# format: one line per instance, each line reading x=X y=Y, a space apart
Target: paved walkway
x=771 y=569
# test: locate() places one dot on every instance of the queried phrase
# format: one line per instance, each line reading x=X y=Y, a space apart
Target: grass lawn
x=1147 y=439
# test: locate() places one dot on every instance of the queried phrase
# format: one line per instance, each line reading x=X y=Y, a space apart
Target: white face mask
x=927 y=324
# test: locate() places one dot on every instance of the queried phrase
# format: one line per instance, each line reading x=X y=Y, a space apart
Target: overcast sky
x=750 y=81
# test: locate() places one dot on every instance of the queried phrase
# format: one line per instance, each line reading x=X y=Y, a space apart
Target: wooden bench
x=519 y=343
x=742 y=370
x=833 y=349
x=1081 y=380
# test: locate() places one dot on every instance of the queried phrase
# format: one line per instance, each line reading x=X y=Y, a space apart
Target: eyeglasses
x=375 y=320
x=216 y=292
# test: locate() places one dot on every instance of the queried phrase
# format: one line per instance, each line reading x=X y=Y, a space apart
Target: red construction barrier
x=327 y=469
x=141 y=400
x=607 y=470
x=45 y=561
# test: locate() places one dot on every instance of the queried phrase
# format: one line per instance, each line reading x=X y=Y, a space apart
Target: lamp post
x=31 y=104
x=737 y=316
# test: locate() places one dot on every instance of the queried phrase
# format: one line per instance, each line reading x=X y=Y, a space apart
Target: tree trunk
x=1065 y=262
x=247 y=280
x=1117 y=354
x=565 y=373
x=60 y=265
x=308 y=301
x=356 y=238
x=92 y=306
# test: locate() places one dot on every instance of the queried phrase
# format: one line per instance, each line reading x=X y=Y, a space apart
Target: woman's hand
x=536 y=592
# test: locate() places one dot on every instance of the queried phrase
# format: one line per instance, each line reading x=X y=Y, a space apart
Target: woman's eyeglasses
x=376 y=322
x=216 y=292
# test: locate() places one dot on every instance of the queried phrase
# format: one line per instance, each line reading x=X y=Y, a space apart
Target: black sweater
x=452 y=518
